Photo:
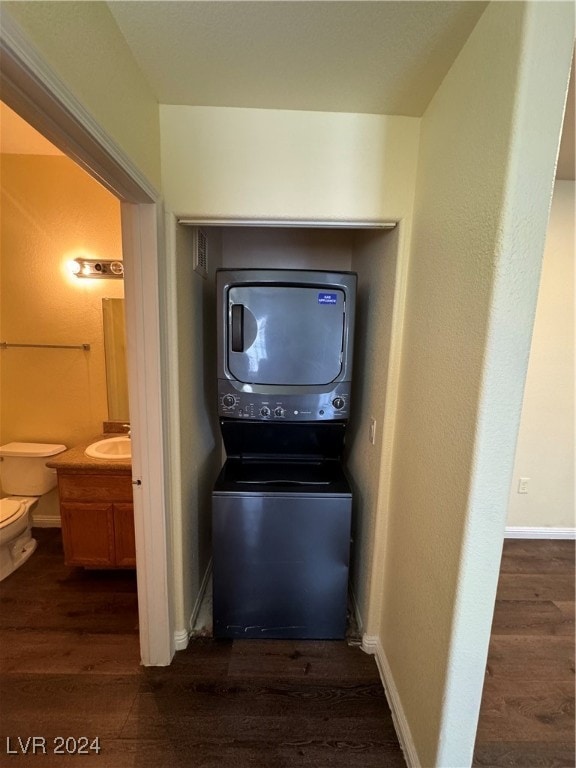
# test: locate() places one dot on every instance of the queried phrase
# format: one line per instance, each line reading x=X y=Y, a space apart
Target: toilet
x=25 y=477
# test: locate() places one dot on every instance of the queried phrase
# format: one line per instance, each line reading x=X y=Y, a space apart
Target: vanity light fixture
x=97 y=268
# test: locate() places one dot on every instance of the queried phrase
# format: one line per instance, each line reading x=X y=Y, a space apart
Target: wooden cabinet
x=97 y=519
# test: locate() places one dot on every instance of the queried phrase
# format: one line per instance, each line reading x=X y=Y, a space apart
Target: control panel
x=306 y=407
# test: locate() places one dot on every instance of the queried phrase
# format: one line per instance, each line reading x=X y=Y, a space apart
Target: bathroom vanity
x=96 y=509
x=97 y=519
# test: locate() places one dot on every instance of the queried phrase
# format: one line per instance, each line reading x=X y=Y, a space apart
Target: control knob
x=264 y=411
x=338 y=403
x=228 y=401
x=278 y=411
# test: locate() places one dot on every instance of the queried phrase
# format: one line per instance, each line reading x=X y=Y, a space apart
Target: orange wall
x=52 y=211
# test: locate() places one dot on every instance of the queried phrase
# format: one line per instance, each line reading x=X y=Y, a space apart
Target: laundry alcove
x=372 y=251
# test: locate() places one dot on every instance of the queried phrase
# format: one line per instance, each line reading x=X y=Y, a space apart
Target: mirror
x=115 y=354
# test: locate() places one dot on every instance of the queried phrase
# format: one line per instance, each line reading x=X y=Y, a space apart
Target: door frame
x=34 y=91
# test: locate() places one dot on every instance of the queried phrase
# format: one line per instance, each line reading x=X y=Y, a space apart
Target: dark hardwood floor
x=69 y=664
x=527 y=713
x=70 y=667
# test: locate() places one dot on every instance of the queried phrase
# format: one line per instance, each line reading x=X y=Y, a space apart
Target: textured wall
x=82 y=44
x=487 y=152
x=196 y=460
x=51 y=212
x=545 y=450
x=375 y=259
x=279 y=164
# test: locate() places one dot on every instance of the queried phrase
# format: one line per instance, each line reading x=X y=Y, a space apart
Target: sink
x=111 y=448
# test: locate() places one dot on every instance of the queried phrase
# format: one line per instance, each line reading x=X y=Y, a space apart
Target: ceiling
x=372 y=57
x=369 y=57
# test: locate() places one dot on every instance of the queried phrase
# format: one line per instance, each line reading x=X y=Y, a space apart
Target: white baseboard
x=513 y=532
x=371 y=644
x=180 y=639
x=46 y=521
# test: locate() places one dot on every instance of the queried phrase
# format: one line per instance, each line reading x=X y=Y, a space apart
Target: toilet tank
x=23 y=468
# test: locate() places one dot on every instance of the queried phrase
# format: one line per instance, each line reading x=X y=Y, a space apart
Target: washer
x=283 y=540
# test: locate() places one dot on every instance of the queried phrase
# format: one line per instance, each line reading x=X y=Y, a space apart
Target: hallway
x=527 y=712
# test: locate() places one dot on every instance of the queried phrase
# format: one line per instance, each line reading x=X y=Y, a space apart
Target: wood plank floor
x=527 y=713
x=69 y=667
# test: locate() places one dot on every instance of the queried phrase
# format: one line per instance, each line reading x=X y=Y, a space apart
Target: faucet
x=127 y=426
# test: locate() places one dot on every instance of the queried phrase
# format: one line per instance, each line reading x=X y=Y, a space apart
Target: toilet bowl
x=16 y=542
x=26 y=478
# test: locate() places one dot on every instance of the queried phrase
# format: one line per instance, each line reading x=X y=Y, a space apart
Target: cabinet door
x=88 y=533
x=124 y=535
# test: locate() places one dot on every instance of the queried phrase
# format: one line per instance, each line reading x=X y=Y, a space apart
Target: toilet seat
x=10 y=510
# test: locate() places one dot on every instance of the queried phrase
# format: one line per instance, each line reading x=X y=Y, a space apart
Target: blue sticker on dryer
x=327 y=298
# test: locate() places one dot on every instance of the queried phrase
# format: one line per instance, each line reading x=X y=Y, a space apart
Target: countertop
x=76 y=459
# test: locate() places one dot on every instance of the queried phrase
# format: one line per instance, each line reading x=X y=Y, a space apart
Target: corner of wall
x=371 y=644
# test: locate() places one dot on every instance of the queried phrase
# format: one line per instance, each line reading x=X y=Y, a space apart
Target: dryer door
x=290 y=335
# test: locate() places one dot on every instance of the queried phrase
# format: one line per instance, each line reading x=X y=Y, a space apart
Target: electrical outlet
x=523 y=484
x=372 y=433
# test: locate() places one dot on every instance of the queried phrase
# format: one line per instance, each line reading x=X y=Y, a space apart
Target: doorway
x=54 y=389
x=39 y=97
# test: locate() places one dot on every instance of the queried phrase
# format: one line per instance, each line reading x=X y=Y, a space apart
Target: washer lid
x=31 y=450
x=9 y=510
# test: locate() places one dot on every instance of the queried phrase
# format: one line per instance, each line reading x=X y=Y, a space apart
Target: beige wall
x=82 y=44
x=488 y=145
x=53 y=212
x=375 y=259
x=221 y=162
x=545 y=450
x=197 y=458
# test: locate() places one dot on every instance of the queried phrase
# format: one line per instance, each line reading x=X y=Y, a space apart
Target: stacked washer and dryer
x=282 y=504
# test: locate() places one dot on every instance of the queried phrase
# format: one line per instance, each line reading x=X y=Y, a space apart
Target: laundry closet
x=371 y=253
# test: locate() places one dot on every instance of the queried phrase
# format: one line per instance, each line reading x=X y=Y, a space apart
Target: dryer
x=285 y=344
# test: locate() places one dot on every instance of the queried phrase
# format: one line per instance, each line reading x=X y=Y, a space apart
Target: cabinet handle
x=136 y=482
